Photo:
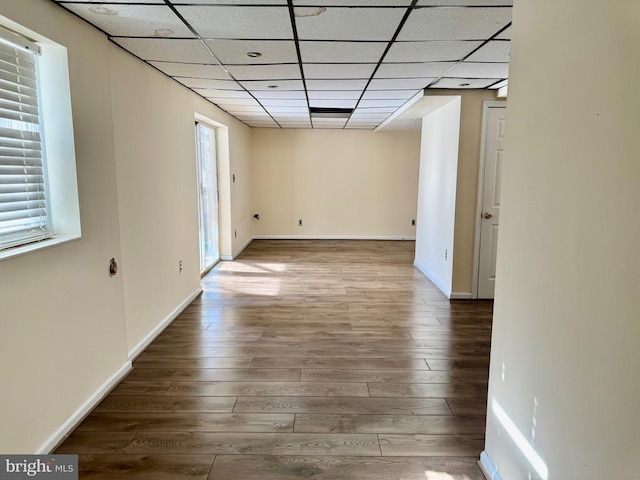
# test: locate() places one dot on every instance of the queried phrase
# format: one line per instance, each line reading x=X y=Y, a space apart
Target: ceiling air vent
x=322 y=112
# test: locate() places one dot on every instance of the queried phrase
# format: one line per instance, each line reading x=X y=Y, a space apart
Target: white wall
x=567 y=313
x=343 y=183
x=437 y=193
x=65 y=325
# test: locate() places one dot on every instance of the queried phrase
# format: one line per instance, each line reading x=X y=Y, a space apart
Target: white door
x=490 y=213
x=207 y=196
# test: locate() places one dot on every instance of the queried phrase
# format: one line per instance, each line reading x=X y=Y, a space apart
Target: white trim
x=489 y=469
x=157 y=330
x=83 y=410
x=461 y=296
x=432 y=279
x=241 y=249
x=481 y=166
x=40 y=245
x=333 y=237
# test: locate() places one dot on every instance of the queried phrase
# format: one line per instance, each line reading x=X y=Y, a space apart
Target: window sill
x=41 y=245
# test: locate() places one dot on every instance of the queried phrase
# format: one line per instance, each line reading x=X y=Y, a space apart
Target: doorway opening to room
x=208 y=196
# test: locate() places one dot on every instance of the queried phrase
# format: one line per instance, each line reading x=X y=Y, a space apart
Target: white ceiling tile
x=160 y=2
x=433 y=51
x=239 y=22
x=282 y=102
x=167 y=49
x=471 y=3
x=375 y=110
x=329 y=122
x=245 y=109
x=265 y=72
x=349 y=3
x=479 y=70
x=269 y=84
x=494 y=51
x=338 y=71
x=389 y=94
x=133 y=20
x=291 y=116
x=381 y=103
x=335 y=23
x=455 y=23
x=341 y=52
x=455 y=83
x=506 y=35
x=336 y=84
x=278 y=93
x=333 y=103
x=334 y=94
x=235 y=51
x=233 y=101
x=284 y=109
x=413 y=70
x=192 y=70
x=215 y=93
x=363 y=126
x=208 y=83
x=229 y=2
x=399 y=83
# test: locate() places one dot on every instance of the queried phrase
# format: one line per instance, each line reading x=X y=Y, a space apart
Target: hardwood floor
x=324 y=359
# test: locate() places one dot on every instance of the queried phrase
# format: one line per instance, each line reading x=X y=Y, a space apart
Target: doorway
x=208 y=197
x=487 y=227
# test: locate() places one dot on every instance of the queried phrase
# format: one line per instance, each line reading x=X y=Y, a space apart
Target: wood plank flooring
x=335 y=360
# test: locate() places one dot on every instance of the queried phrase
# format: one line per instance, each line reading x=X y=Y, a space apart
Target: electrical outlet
x=300 y=222
x=413 y=222
x=446 y=253
x=180 y=267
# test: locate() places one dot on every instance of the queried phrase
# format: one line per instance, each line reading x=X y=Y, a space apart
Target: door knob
x=487 y=215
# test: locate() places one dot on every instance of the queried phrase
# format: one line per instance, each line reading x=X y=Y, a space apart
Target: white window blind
x=23 y=204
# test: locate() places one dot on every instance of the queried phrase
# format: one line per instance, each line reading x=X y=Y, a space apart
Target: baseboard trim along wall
x=489 y=470
x=461 y=296
x=333 y=237
x=83 y=410
x=159 y=328
x=431 y=278
x=235 y=254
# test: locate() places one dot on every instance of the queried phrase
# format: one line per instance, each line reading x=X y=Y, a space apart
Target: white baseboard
x=432 y=279
x=235 y=254
x=461 y=296
x=157 y=330
x=83 y=410
x=489 y=470
x=333 y=237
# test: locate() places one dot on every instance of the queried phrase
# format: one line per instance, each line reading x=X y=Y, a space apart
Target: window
x=39 y=204
x=24 y=213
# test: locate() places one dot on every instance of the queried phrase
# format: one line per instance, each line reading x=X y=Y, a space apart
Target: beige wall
x=339 y=182
x=62 y=318
x=155 y=161
x=467 y=189
x=437 y=194
x=567 y=314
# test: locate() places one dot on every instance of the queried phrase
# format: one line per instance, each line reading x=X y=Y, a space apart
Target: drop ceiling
x=266 y=62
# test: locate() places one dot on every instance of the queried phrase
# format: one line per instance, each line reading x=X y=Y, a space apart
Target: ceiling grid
x=274 y=63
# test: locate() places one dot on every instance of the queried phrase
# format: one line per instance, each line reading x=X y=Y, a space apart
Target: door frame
x=486 y=105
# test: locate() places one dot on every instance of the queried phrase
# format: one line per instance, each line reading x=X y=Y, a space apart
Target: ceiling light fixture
x=254 y=54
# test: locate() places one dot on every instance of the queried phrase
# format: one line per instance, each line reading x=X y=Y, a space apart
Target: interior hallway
x=331 y=359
